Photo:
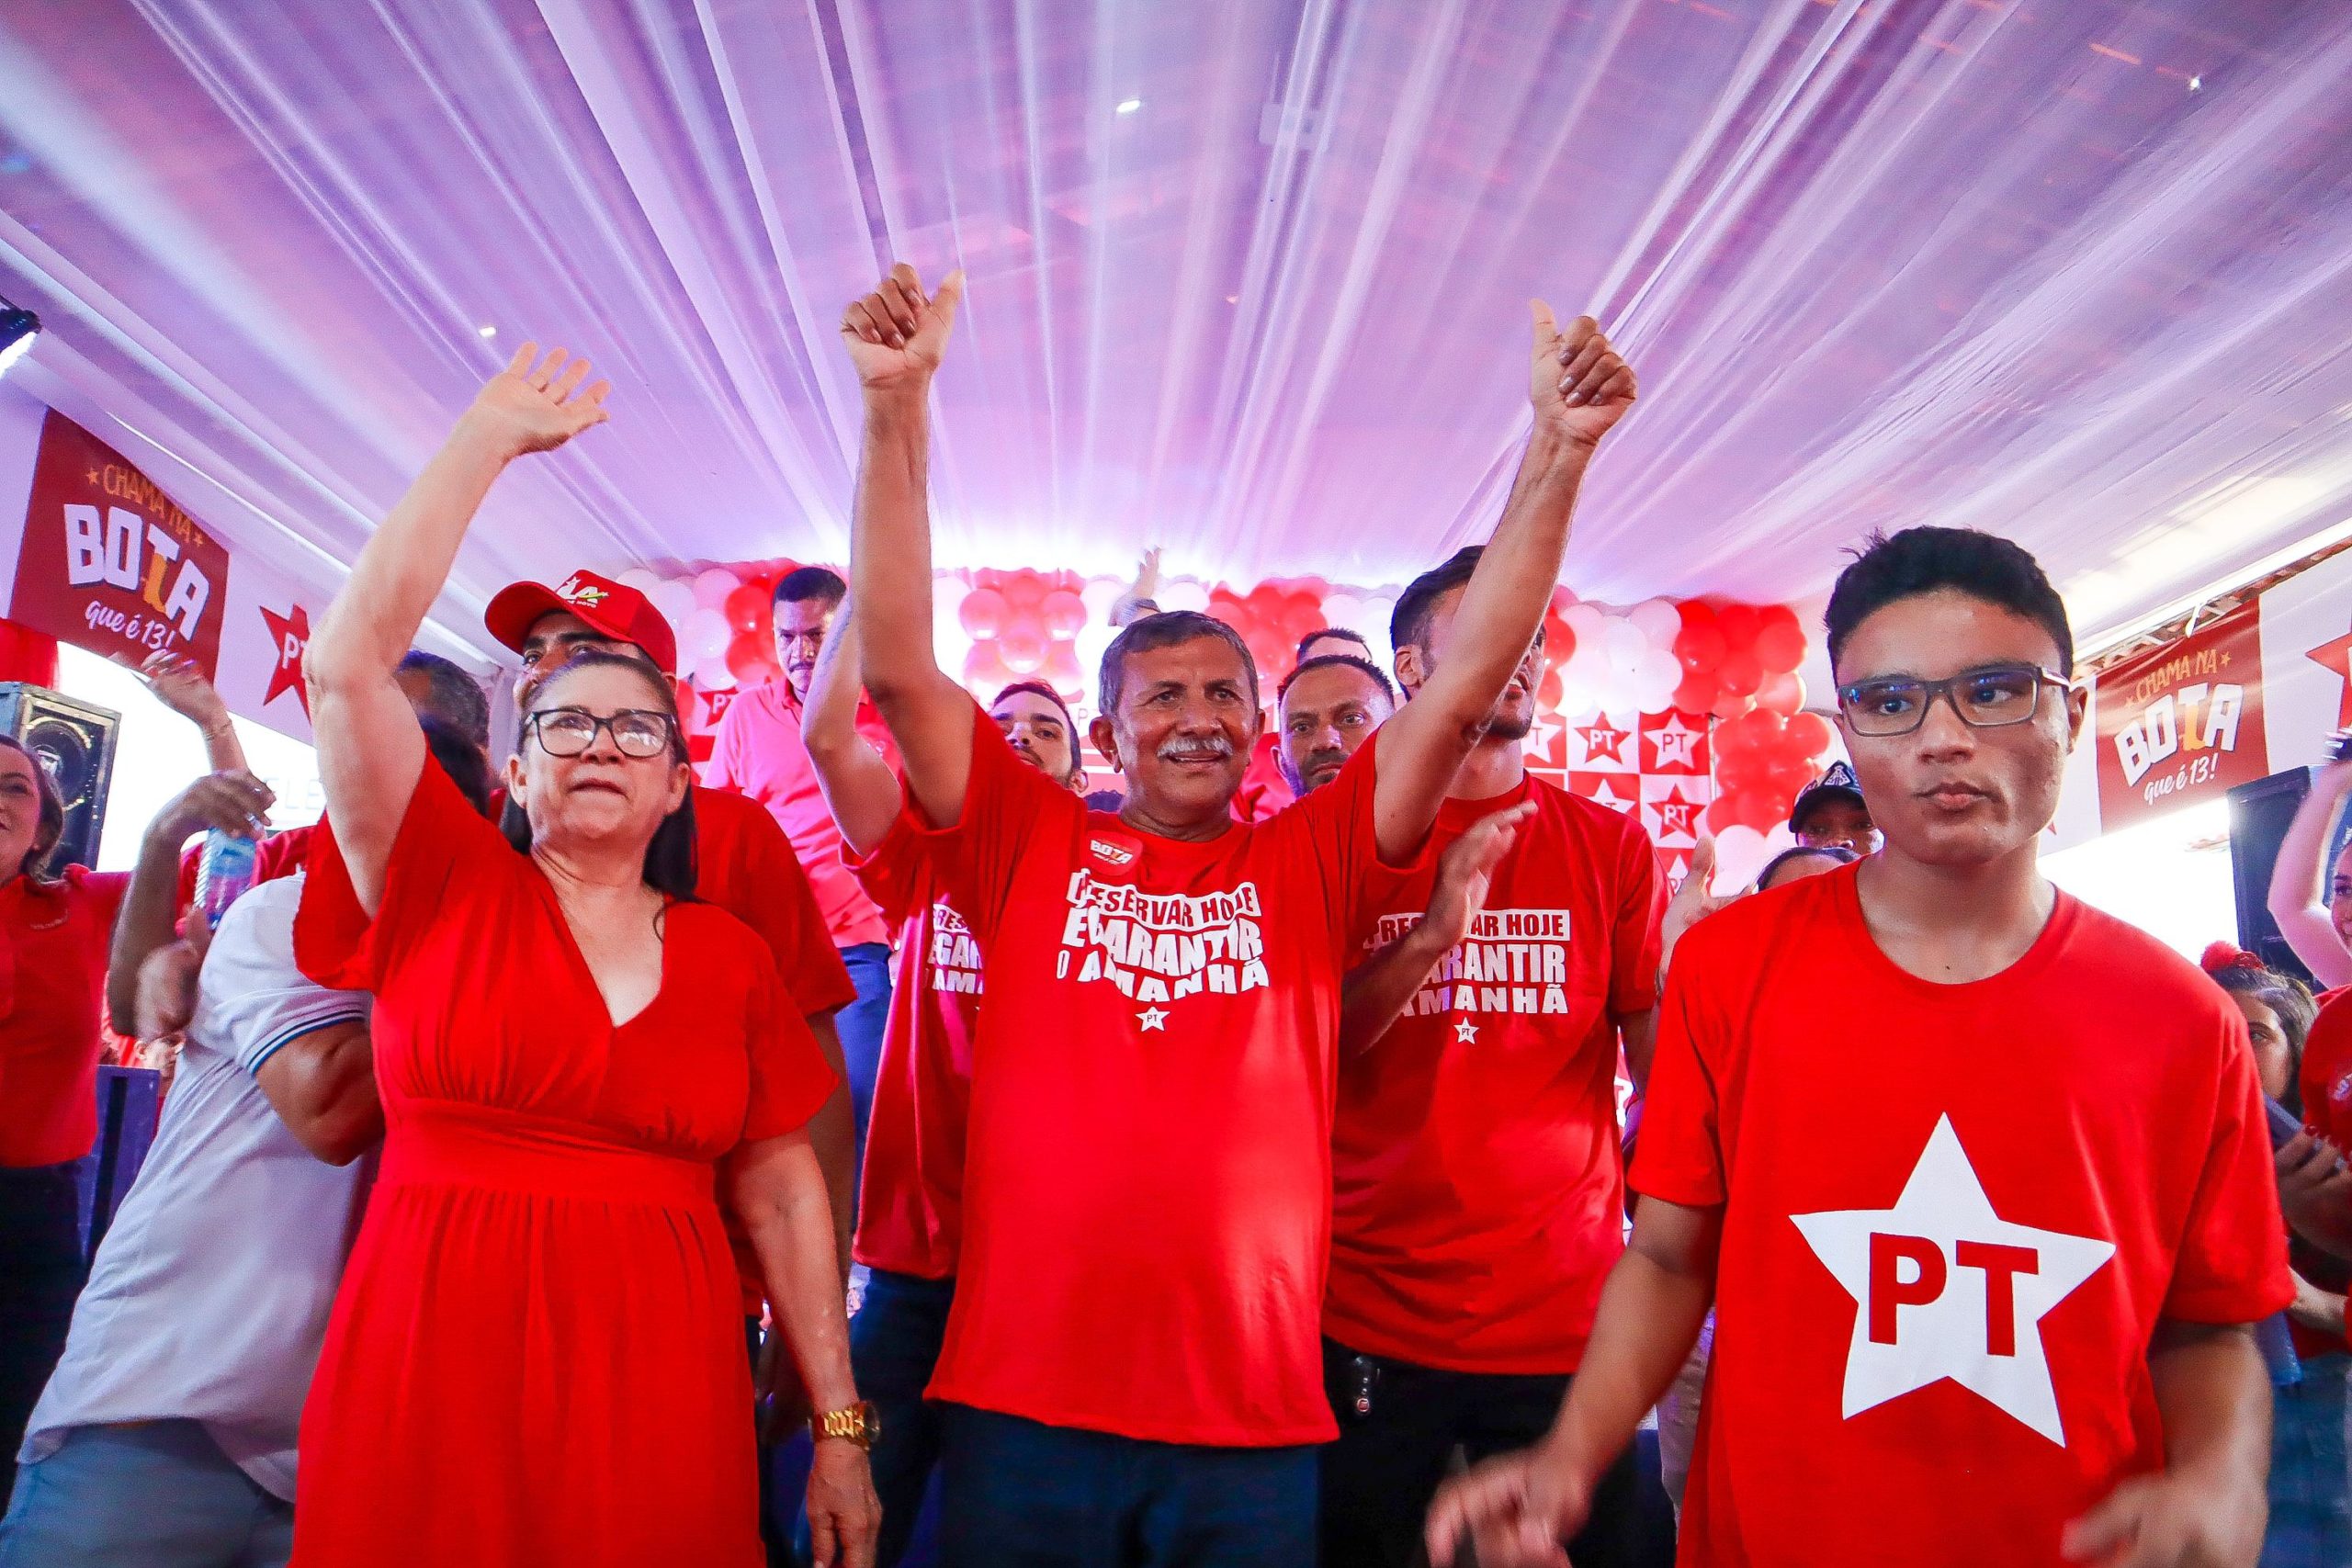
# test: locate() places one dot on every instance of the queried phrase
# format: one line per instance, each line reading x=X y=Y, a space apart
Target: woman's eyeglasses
x=566 y=732
x=1985 y=699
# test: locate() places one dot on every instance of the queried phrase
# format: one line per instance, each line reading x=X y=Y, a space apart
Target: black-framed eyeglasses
x=1984 y=698
x=566 y=732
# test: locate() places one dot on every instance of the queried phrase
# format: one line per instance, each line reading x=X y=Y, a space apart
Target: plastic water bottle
x=224 y=870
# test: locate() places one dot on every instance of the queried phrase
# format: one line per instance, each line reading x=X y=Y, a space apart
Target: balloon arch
x=1703 y=693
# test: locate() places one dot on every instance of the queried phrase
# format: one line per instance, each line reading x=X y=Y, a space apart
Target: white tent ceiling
x=1247 y=277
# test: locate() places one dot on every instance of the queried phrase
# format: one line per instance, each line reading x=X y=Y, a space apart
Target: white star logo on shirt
x=1467 y=1032
x=1945 y=1288
x=1154 y=1017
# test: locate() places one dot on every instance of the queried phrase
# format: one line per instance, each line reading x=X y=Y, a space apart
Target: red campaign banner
x=2182 y=723
x=109 y=562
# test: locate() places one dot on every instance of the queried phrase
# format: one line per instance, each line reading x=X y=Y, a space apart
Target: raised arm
x=2299 y=880
x=860 y=789
x=180 y=686
x=1580 y=389
x=371 y=750
x=896 y=336
x=235 y=801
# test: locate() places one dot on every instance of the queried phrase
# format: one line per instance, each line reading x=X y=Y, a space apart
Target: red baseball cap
x=614 y=609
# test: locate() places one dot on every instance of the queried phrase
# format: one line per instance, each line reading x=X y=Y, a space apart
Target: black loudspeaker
x=2260 y=813
x=75 y=742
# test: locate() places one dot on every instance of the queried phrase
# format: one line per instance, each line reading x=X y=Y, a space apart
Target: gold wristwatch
x=860 y=1423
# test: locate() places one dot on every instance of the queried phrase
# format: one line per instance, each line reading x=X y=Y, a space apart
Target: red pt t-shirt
x=1478 y=1197
x=53 y=942
x=1952 y=1218
x=759 y=752
x=910 y=1202
x=1147 y=1176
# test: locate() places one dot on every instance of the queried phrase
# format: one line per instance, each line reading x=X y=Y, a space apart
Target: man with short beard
x=1478 y=1200
x=1976 y=1177
x=759 y=751
x=1130 y=1369
x=1327 y=707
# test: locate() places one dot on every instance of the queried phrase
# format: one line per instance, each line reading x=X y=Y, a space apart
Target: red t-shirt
x=1478 y=1197
x=759 y=752
x=2325 y=1083
x=1955 y=1215
x=53 y=942
x=910 y=1201
x=1148 y=1168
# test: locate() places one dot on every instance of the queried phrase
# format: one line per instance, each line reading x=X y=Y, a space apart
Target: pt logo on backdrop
x=1945 y=1288
x=2182 y=723
x=109 y=562
x=289 y=634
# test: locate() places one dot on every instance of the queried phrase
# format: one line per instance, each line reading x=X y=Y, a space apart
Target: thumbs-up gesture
x=897 y=334
x=1579 y=385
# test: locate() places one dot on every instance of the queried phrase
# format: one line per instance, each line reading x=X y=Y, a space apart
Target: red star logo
x=1601 y=739
x=2337 y=656
x=292 y=634
x=1677 y=818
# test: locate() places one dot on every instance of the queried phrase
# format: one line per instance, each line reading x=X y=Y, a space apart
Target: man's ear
x=2078 y=707
x=1411 y=670
x=1105 y=741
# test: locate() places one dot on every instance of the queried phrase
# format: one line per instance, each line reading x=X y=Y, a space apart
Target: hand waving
x=896 y=335
x=1579 y=385
x=1464 y=869
x=180 y=686
x=537 y=405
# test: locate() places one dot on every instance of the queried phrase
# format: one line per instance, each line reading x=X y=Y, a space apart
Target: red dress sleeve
x=1679 y=1158
x=790 y=1079
x=2231 y=1265
x=335 y=943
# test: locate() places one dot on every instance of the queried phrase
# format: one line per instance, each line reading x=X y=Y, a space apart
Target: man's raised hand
x=1465 y=870
x=897 y=334
x=1579 y=385
x=537 y=405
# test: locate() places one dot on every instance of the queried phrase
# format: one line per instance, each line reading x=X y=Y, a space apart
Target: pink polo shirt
x=759 y=753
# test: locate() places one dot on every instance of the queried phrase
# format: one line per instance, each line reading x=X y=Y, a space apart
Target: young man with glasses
x=1979 y=1191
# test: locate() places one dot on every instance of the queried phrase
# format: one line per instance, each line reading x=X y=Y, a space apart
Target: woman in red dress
x=537 y=1354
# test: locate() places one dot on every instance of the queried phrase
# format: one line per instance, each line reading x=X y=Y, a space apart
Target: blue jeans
x=893 y=1345
x=160 y=1493
x=2310 y=1521
x=1017 y=1494
x=859 y=1026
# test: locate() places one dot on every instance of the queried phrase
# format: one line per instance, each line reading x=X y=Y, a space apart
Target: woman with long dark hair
x=536 y=1355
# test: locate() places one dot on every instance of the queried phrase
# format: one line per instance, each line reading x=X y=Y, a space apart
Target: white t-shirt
x=209 y=1295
